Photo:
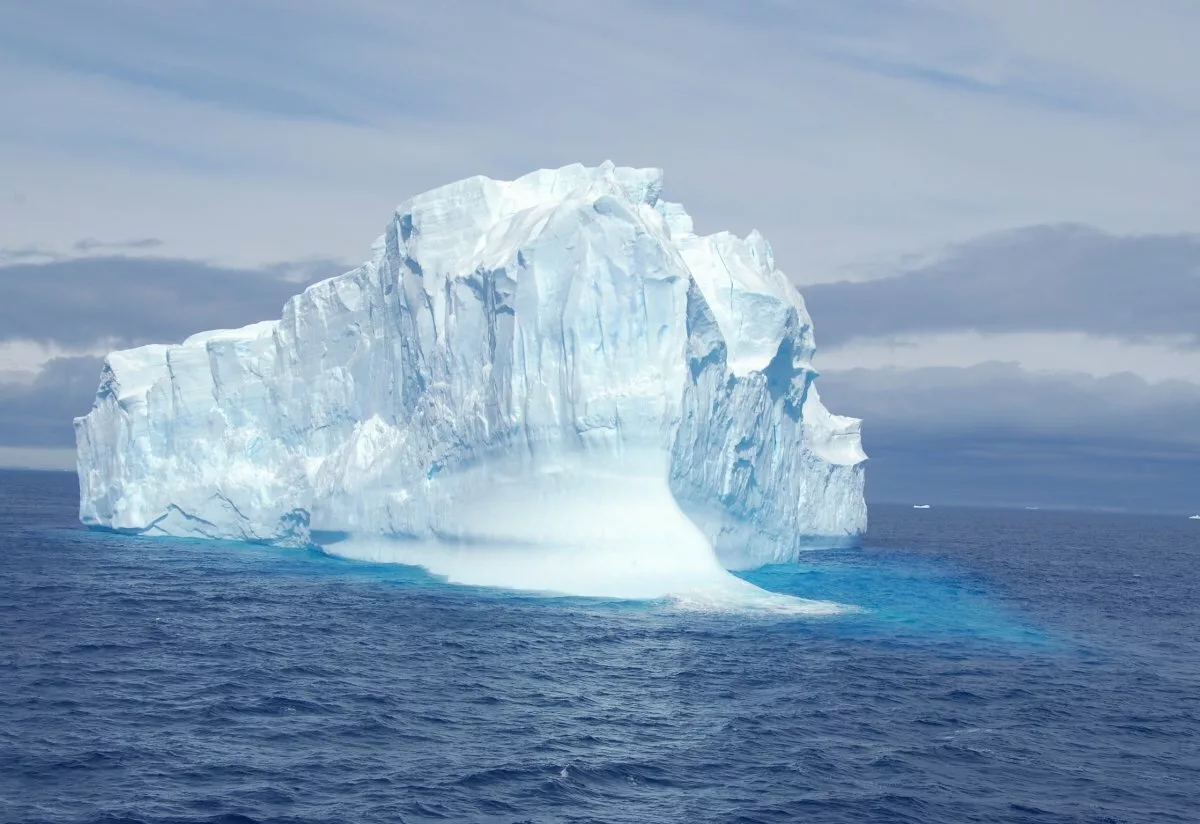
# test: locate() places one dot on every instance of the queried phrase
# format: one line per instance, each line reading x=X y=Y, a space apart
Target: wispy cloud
x=1017 y=90
x=88 y=245
x=24 y=254
x=270 y=131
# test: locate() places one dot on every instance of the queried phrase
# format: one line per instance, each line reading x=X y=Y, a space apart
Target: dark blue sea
x=1011 y=666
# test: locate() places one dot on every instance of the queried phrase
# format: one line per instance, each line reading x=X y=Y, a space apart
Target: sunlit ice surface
x=578 y=525
x=471 y=386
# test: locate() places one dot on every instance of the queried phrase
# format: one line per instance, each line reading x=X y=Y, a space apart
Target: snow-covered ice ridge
x=548 y=365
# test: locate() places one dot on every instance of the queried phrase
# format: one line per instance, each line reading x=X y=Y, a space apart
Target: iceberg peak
x=555 y=362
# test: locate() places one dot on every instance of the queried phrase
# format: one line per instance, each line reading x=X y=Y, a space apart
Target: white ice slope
x=554 y=368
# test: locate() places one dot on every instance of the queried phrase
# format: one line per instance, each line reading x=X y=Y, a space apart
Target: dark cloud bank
x=142 y=300
x=76 y=303
x=998 y=435
x=990 y=434
x=995 y=434
x=1039 y=279
x=39 y=413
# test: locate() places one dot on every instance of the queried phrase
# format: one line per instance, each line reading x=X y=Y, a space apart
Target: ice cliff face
x=556 y=360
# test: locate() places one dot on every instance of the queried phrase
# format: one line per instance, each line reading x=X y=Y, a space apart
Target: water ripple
x=1008 y=667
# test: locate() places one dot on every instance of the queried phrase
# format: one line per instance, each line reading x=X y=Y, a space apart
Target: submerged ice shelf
x=548 y=383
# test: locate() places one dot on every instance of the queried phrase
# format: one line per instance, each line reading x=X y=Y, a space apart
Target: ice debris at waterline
x=549 y=383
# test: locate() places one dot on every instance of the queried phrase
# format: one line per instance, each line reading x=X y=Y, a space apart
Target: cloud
x=998 y=434
x=38 y=414
x=52 y=310
x=1003 y=398
x=88 y=245
x=1155 y=358
x=1036 y=279
x=59 y=317
x=22 y=360
x=26 y=254
x=282 y=131
x=129 y=301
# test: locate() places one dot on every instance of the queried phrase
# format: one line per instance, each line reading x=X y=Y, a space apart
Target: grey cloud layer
x=1045 y=278
x=39 y=413
x=995 y=434
x=82 y=302
x=1003 y=399
x=141 y=300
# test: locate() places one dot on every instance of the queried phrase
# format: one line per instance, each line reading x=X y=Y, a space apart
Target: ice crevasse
x=551 y=383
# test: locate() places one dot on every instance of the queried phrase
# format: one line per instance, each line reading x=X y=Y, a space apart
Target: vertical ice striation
x=556 y=362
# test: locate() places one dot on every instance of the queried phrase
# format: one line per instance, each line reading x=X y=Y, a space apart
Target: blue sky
x=938 y=150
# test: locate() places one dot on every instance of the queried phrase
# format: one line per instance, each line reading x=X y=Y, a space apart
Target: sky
x=990 y=207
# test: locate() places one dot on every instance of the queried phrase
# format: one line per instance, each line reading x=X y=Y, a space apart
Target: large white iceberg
x=551 y=383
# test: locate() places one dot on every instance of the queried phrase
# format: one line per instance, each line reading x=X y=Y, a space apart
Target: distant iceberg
x=552 y=364
x=920 y=506
x=1194 y=518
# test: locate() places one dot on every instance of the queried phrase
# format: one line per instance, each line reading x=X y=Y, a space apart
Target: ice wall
x=512 y=361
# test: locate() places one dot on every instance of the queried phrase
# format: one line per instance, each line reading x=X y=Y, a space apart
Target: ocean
x=1006 y=666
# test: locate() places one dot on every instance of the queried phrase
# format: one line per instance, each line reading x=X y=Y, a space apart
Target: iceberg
x=549 y=383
